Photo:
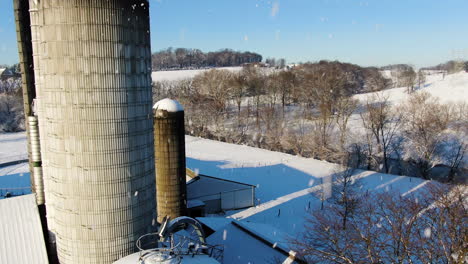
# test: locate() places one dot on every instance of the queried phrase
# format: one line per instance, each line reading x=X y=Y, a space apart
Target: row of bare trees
x=182 y=58
x=357 y=226
x=422 y=132
x=387 y=227
x=309 y=111
x=451 y=66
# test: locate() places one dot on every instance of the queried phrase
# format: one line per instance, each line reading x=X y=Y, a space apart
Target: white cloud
x=246 y=38
x=275 y=9
x=278 y=35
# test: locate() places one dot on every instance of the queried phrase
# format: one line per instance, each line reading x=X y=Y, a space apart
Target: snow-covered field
x=450 y=89
x=159 y=76
x=12 y=147
x=284 y=182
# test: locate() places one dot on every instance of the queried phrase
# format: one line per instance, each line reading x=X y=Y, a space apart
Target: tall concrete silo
x=92 y=69
x=169 y=140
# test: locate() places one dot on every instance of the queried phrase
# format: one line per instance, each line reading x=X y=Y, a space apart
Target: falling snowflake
x=427 y=232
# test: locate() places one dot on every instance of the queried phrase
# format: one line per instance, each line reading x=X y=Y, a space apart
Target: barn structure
x=216 y=195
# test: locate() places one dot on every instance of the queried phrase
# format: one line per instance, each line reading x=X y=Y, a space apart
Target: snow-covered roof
x=214 y=223
x=200 y=176
x=22 y=240
x=242 y=245
x=168 y=105
x=266 y=233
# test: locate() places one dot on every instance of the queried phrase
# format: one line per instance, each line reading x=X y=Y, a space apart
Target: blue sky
x=373 y=32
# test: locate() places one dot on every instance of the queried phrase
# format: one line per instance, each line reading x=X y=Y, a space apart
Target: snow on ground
x=158 y=76
x=449 y=89
x=452 y=88
x=284 y=182
x=13 y=147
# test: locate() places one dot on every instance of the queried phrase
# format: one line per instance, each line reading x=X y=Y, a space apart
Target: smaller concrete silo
x=169 y=140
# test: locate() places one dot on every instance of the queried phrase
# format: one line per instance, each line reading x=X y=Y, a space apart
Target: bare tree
x=383 y=124
x=345 y=107
x=375 y=81
x=425 y=121
x=409 y=77
x=428 y=227
x=256 y=86
x=323 y=86
x=238 y=91
x=287 y=80
x=345 y=193
x=421 y=78
x=297 y=141
x=455 y=156
x=215 y=85
x=11 y=112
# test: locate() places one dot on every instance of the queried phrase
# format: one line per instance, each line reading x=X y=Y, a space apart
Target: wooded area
x=182 y=58
x=307 y=111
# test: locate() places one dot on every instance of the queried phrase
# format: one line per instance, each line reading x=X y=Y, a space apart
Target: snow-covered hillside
x=285 y=183
x=451 y=88
x=158 y=76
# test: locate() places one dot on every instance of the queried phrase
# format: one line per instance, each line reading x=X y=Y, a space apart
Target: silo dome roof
x=168 y=105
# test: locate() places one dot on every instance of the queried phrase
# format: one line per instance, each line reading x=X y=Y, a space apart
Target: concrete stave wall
x=169 y=136
x=94 y=106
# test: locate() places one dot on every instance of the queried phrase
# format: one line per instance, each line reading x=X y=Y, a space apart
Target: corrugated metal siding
x=219 y=194
x=21 y=238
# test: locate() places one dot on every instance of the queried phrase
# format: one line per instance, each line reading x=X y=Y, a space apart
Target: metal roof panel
x=21 y=231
